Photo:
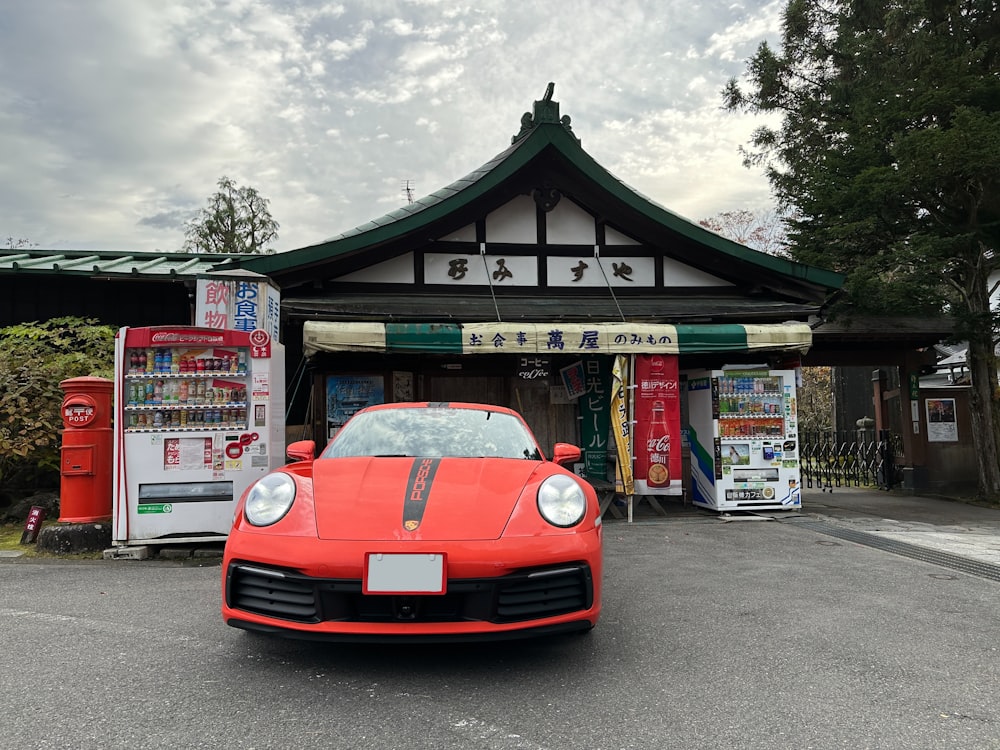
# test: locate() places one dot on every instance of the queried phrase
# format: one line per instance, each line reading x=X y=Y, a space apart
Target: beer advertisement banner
x=595 y=405
x=657 y=425
x=620 y=425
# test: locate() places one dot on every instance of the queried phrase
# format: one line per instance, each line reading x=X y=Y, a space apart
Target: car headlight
x=561 y=501
x=269 y=499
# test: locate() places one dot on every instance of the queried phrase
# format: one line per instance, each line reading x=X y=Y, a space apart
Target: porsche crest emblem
x=418 y=488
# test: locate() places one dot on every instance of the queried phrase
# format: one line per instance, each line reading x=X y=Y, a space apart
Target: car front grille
x=551 y=592
x=517 y=597
x=271 y=592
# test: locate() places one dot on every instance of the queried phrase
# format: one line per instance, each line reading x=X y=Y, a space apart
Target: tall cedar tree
x=888 y=159
x=237 y=220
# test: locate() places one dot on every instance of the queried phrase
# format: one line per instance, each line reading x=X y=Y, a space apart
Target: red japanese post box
x=87 y=451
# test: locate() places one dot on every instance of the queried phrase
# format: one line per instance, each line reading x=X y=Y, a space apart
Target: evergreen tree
x=237 y=220
x=888 y=159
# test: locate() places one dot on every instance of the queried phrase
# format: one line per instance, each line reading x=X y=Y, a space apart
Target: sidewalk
x=948 y=526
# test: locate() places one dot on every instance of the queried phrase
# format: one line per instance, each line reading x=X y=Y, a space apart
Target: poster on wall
x=657 y=425
x=348 y=394
x=942 y=423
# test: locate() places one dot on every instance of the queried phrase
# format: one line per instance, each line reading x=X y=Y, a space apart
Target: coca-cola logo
x=186 y=337
x=658 y=445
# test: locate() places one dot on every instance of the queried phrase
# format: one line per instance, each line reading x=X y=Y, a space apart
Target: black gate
x=833 y=458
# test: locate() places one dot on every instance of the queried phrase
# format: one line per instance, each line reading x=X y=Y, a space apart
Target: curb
x=67 y=539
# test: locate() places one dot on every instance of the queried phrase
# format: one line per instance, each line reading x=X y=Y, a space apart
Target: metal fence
x=850 y=458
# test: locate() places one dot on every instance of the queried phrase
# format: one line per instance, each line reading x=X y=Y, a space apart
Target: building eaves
x=109 y=263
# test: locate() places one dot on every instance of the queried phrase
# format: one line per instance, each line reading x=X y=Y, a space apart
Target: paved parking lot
x=717 y=632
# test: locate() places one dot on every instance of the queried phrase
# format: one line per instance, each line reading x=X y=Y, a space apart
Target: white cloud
x=119 y=117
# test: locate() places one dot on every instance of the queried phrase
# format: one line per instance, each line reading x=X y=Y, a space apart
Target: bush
x=34 y=359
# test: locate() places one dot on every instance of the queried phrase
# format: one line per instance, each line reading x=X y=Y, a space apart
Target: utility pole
x=408 y=190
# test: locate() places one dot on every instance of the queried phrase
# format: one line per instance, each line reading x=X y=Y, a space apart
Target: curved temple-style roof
x=547 y=146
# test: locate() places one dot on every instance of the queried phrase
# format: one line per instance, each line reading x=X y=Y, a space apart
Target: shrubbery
x=34 y=359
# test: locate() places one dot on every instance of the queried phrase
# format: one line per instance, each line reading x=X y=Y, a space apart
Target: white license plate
x=387 y=573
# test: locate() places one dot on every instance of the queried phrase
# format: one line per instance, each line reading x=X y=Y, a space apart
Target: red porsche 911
x=418 y=522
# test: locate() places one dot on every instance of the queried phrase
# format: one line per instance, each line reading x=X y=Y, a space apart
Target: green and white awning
x=552 y=338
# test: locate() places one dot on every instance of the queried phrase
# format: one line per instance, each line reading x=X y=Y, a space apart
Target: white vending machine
x=199 y=416
x=742 y=429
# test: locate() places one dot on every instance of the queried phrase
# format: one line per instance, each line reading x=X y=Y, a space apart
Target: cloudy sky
x=118 y=117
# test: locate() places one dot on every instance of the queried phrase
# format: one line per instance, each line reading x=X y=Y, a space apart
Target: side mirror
x=303 y=450
x=564 y=453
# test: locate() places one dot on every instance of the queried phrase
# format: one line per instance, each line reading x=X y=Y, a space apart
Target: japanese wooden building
x=486 y=289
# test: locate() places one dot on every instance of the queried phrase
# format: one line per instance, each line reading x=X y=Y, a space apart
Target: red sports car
x=419 y=521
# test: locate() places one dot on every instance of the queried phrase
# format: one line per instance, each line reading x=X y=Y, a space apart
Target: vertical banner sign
x=595 y=413
x=212 y=303
x=658 y=425
x=620 y=425
x=238 y=305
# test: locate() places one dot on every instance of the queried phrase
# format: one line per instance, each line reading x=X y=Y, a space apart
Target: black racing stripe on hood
x=418 y=489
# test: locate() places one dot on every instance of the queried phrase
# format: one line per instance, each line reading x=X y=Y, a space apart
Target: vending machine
x=199 y=416
x=743 y=434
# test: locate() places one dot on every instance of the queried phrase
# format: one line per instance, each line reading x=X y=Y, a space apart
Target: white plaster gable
x=514 y=222
x=398 y=270
x=568 y=224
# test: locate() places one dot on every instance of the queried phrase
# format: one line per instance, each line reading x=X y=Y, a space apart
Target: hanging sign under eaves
x=552 y=338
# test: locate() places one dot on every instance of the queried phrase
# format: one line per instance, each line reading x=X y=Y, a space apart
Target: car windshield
x=434 y=431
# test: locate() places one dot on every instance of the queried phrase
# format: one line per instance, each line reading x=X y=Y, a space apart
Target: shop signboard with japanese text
x=657 y=425
x=588 y=382
x=238 y=304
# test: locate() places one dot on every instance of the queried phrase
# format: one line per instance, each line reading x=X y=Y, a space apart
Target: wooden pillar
x=878 y=398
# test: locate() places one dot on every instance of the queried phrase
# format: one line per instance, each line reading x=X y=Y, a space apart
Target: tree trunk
x=982 y=365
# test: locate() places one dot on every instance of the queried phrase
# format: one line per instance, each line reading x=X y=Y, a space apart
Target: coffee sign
x=533 y=368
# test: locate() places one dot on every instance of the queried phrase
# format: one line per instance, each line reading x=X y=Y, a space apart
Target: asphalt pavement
x=727 y=631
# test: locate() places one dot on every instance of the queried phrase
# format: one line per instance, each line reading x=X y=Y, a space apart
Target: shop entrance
x=475 y=388
x=550 y=423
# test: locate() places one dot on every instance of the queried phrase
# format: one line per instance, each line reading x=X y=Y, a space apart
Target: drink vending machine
x=742 y=429
x=199 y=417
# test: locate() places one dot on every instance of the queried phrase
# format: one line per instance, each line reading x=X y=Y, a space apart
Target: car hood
x=436 y=499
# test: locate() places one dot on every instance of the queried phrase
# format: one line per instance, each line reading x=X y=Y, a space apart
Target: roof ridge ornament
x=545 y=110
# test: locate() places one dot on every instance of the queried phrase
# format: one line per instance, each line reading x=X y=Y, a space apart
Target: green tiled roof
x=114 y=263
